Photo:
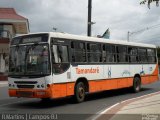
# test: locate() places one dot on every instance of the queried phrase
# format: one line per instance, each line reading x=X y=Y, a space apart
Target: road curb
x=95 y=117
x=112 y=110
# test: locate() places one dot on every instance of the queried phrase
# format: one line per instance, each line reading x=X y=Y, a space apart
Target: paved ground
x=3 y=83
x=141 y=108
x=65 y=108
x=149 y=105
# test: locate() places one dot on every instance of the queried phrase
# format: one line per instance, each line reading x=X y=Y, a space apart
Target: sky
x=70 y=16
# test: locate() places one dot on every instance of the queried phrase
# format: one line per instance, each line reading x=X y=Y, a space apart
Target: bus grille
x=25 y=86
x=25 y=82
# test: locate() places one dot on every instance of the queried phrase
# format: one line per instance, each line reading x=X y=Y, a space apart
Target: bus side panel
x=145 y=74
x=109 y=84
x=62 y=89
x=149 y=79
x=118 y=74
x=155 y=75
x=70 y=89
x=92 y=73
x=130 y=82
x=152 y=76
x=99 y=85
x=95 y=85
x=156 y=72
x=122 y=83
x=58 y=90
x=145 y=80
x=153 y=79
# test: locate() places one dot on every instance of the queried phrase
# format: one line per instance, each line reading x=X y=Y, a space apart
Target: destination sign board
x=32 y=40
x=35 y=38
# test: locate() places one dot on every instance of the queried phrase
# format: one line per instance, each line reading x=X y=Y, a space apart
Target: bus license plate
x=24 y=94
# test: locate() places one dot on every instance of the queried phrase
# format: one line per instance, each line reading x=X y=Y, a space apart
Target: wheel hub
x=81 y=92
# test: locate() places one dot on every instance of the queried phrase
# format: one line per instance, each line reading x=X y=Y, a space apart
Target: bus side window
x=64 y=54
x=60 y=53
x=60 y=58
x=122 y=54
x=104 y=53
x=78 y=51
x=110 y=53
x=94 y=52
x=151 y=54
x=142 y=55
x=55 y=57
x=132 y=53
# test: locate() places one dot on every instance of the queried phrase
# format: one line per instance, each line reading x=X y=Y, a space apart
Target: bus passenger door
x=60 y=67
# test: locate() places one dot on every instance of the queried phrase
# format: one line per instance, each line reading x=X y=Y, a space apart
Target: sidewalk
x=3 y=83
x=142 y=108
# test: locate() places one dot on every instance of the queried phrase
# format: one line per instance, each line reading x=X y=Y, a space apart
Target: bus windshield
x=29 y=60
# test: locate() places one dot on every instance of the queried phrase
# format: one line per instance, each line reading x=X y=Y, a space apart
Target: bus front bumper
x=29 y=93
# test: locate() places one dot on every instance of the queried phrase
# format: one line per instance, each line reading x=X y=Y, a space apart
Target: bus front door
x=60 y=67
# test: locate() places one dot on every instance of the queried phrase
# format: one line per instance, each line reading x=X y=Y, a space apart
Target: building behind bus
x=11 y=24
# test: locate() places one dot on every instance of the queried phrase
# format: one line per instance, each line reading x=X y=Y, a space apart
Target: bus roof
x=94 y=39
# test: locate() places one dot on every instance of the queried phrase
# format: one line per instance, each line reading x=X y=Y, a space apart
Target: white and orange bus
x=54 y=65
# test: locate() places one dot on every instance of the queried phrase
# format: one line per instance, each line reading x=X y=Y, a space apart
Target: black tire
x=136 y=85
x=79 y=92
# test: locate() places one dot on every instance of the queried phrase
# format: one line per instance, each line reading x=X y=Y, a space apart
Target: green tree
x=149 y=2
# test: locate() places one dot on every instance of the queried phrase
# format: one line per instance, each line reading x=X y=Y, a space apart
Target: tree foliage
x=149 y=2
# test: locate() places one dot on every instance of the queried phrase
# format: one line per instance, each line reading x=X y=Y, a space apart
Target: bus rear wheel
x=136 y=85
x=79 y=92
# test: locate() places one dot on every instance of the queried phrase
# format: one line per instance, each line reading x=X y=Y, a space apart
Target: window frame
x=113 y=54
x=152 y=55
x=73 y=51
x=103 y=53
x=141 y=54
x=88 y=51
x=131 y=55
x=120 y=54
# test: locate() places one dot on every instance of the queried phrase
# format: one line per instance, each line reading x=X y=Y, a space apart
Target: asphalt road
x=66 y=108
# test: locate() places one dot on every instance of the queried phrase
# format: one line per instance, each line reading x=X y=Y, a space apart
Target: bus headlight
x=11 y=85
x=42 y=86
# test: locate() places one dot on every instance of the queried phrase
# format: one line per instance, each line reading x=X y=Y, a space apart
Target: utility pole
x=89 y=24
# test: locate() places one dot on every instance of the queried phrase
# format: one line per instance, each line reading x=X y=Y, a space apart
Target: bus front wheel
x=79 y=92
x=136 y=84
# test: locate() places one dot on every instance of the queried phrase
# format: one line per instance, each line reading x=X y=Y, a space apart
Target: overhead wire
x=144 y=29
